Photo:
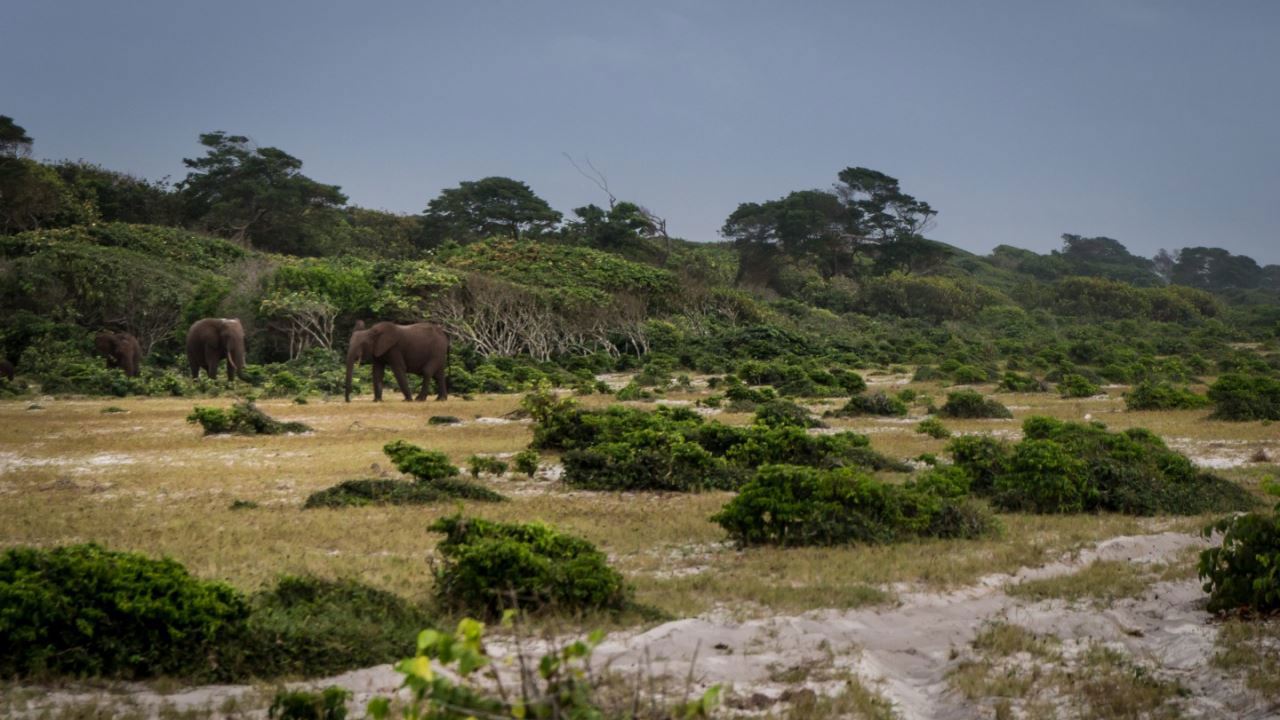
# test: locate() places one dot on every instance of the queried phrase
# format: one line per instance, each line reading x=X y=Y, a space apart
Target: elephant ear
x=383 y=341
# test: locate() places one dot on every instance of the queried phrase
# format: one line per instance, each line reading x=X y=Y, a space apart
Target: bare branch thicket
x=595 y=176
x=491 y=315
x=631 y=312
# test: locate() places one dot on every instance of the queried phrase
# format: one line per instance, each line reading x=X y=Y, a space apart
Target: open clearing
x=898 y=622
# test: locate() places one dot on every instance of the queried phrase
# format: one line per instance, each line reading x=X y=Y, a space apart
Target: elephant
x=210 y=341
x=6 y=369
x=121 y=349
x=421 y=348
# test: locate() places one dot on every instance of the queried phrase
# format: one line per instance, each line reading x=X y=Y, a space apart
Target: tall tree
x=257 y=195
x=1216 y=269
x=31 y=193
x=14 y=141
x=491 y=206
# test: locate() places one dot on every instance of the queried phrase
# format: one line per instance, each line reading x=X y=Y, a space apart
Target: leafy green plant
x=1244 y=571
x=443 y=420
x=876 y=403
x=1243 y=397
x=1073 y=385
x=526 y=461
x=934 y=428
x=243 y=418
x=425 y=465
x=486 y=465
x=328 y=704
x=971 y=404
x=486 y=567
x=1162 y=395
x=784 y=413
x=1074 y=467
x=790 y=505
x=562 y=685
x=1016 y=382
x=84 y=610
x=379 y=491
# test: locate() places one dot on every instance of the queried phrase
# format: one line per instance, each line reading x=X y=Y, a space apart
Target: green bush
x=934 y=428
x=1244 y=571
x=1241 y=397
x=789 y=505
x=487 y=567
x=84 y=610
x=379 y=491
x=1072 y=467
x=1015 y=382
x=876 y=403
x=328 y=704
x=243 y=418
x=648 y=460
x=784 y=413
x=443 y=420
x=425 y=465
x=306 y=626
x=486 y=465
x=971 y=404
x=526 y=461
x=1162 y=395
x=969 y=375
x=1073 y=385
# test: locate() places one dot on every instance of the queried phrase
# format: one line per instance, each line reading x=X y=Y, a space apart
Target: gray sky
x=1152 y=122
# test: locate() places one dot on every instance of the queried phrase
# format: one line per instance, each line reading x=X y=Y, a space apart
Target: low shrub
x=243 y=418
x=486 y=465
x=633 y=391
x=971 y=404
x=526 y=461
x=328 y=704
x=934 y=428
x=784 y=413
x=1162 y=395
x=486 y=567
x=1073 y=385
x=1015 y=382
x=1072 y=467
x=1241 y=397
x=83 y=610
x=306 y=626
x=789 y=505
x=876 y=403
x=381 y=491
x=1244 y=571
x=425 y=465
x=969 y=375
x=443 y=420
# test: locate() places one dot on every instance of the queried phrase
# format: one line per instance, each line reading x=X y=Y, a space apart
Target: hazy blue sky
x=1152 y=122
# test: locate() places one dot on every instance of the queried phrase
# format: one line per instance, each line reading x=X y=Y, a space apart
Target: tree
x=624 y=225
x=258 y=196
x=1215 y=269
x=480 y=208
x=120 y=197
x=14 y=141
x=881 y=211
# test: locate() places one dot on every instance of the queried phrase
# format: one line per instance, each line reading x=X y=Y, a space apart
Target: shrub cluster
x=1240 y=396
x=1244 y=571
x=971 y=404
x=876 y=403
x=485 y=465
x=1162 y=395
x=1016 y=382
x=1073 y=385
x=1063 y=467
x=791 y=505
x=83 y=610
x=435 y=479
x=671 y=448
x=486 y=567
x=934 y=428
x=242 y=418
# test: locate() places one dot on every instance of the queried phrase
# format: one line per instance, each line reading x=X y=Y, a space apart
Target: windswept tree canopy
x=14 y=141
x=481 y=208
x=257 y=195
x=865 y=218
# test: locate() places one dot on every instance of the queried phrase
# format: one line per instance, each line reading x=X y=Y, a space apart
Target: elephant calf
x=121 y=350
x=421 y=348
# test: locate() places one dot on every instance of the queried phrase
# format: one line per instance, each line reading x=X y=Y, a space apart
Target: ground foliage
x=1063 y=467
x=486 y=567
x=242 y=418
x=972 y=404
x=1243 y=573
x=792 y=505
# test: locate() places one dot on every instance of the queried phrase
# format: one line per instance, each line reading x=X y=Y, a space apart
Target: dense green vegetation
x=1243 y=573
x=490 y=566
x=1063 y=467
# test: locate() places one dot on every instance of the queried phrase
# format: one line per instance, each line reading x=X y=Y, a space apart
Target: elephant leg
x=397 y=367
x=212 y=358
x=378 y=369
x=442 y=384
x=426 y=385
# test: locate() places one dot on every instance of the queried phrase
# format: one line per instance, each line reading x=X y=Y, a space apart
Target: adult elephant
x=121 y=349
x=6 y=369
x=212 y=340
x=421 y=348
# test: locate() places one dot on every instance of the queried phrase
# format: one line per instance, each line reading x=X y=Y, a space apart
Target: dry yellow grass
x=146 y=480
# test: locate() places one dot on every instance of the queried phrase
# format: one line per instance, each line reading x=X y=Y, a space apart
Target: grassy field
x=132 y=474
x=146 y=480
